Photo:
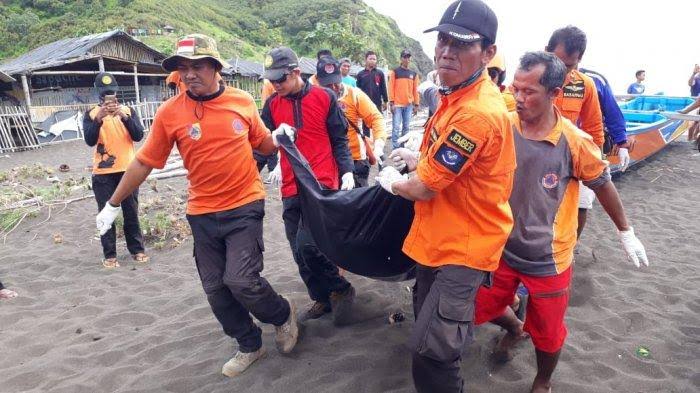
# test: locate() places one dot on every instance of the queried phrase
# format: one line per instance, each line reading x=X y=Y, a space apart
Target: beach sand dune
x=77 y=327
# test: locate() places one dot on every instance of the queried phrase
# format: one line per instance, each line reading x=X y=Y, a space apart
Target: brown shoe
x=316 y=311
x=341 y=303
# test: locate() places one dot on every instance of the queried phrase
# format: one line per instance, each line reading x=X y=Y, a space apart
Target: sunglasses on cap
x=281 y=80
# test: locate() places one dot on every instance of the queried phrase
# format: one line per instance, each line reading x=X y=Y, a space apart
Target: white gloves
x=347 y=182
x=106 y=217
x=412 y=140
x=283 y=129
x=275 y=177
x=403 y=157
x=624 y=155
x=633 y=247
x=379 y=148
x=388 y=176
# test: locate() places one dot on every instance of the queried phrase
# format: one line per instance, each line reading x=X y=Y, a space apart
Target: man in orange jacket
x=463 y=180
x=403 y=97
x=578 y=99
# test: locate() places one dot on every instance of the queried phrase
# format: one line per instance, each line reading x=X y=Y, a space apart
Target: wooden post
x=101 y=64
x=27 y=96
x=136 y=84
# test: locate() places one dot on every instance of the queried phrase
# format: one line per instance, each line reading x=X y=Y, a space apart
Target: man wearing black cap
x=403 y=97
x=113 y=129
x=463 y=179
x=356 y=106
x=322 y=140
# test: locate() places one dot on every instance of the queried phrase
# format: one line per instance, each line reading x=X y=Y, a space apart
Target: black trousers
x=319 y=274
x=103 y=186
x=1 y=286
x=361 y=173
x=443 y=302
x=269 y=160
x=228 y=248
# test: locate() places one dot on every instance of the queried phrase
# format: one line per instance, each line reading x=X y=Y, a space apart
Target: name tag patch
x=462 y=142
x=450 y=158
x=433 y=135
x=574 y=89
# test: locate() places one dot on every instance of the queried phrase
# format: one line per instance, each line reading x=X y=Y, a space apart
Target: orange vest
x=115 y=149
x=358 y=106
x=578 y=102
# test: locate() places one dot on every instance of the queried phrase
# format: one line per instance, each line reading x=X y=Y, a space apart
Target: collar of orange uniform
x=574 y=75
x=554 y=136
x=459 y=89
x=478 y=79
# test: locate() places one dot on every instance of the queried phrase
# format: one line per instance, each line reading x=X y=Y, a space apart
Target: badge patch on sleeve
x=574 y=89
x=462 y=142
x=450 y=158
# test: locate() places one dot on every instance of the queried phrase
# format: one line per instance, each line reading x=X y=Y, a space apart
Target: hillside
x=246 y=28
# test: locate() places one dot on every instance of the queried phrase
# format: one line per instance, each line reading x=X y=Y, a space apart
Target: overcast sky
x=661 y=37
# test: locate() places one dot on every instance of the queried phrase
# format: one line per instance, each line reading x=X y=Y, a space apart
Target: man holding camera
x=113 y=129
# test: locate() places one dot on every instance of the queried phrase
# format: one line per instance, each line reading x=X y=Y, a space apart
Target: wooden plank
x=136 y=83
x=93 y=73
x=7 y=143
x=27 y=94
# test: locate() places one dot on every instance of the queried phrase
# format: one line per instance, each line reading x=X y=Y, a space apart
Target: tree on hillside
x=335 y=36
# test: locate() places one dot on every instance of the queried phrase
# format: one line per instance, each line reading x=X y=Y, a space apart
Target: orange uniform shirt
x=545 y=196
x=468 y=158
x=115 y=148
x=216 y=139
x=403 y=87
x=267 y=91
x=578 y=102
x=358 y=106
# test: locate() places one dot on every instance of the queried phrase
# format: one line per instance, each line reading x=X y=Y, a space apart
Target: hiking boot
x=241 y=361
x=341 y=303
x=286 y=335
x=316 y=311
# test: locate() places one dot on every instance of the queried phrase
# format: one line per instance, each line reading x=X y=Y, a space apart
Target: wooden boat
x=652 y=123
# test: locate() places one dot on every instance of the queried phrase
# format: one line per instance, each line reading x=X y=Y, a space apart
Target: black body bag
x=361 y=230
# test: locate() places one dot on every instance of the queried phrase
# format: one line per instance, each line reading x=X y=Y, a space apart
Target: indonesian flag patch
x=186 y=46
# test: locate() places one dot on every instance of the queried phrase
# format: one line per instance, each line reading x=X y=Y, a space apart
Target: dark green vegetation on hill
x=246 y=28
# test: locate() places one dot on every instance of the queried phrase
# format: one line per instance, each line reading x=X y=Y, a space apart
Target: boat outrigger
x=652 y=123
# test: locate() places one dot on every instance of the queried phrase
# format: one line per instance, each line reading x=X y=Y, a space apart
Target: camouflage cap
x=194 y=47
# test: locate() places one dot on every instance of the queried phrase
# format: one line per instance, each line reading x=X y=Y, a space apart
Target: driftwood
x=168 y=174
x=168 y=167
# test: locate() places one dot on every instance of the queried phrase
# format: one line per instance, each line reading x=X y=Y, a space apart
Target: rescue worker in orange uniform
x=461 y=186
x=578 y=99
x=113 y=128
x=216 y=129
x=552 y=156
x=356 y=106
x=174 y=83
x=403 y=97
